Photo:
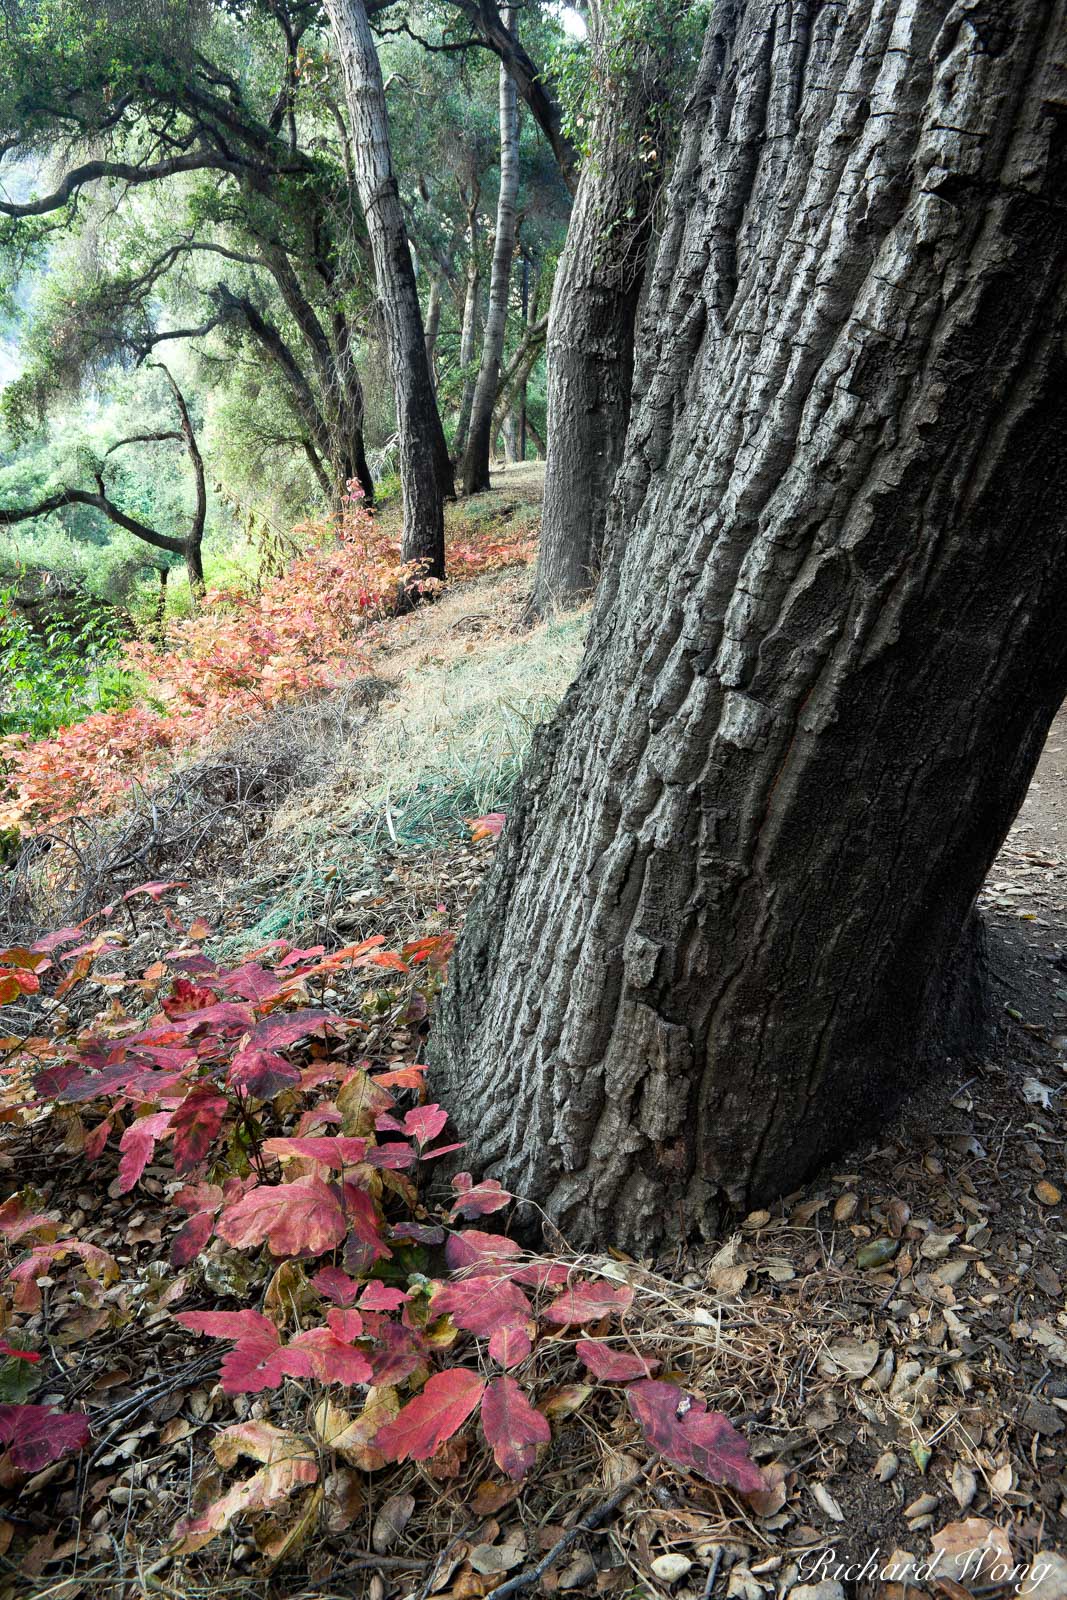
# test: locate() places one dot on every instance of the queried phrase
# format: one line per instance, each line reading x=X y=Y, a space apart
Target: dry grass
x=450 y=739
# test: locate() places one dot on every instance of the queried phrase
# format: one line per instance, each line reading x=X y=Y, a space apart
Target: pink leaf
x=425 y=1123
x=481 y=1304
x=155 y=890
x=38 y=1435
x=332 y=1360
x=484 y=1251
x=346 y=1323
x=138 y=1146
x=477 y=1199
x=303 y=1218
x=394 y=1156
x=379 y=1297
x=17 y=1220
x=289 y=1027
x=613 y=1366
x=186 y=997
x=396 y=1352
x=435 y=1414
x=196 y=1126
x=685 y=1432
x=365 y=1244
x=510 y=1345
x=512 y=1427
x=333 y=1284
x=226 y=1324
x=191 y=1238
x=336 y=1152
x=11 y=1352
x=258 y=1359
x=588 y=1302
x=263 y=1073
x=441 y=1150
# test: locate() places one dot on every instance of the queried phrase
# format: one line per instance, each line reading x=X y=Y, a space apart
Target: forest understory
x=890 y=1340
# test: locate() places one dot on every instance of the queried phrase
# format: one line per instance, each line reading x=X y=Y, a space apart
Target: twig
x=713 y=1573
x=592 y=1519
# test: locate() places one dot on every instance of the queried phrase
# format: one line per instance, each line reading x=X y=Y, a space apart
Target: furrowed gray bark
x=425 y=469
x=731 y=914
x=475 y=469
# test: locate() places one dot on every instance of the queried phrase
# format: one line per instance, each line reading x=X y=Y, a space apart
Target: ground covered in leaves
x=890 y=1342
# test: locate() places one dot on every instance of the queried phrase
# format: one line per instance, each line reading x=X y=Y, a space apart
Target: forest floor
x=892 y=1338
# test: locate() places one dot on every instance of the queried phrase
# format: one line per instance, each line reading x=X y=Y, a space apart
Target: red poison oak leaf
x=481 y=1304
x=365 y=1244
x=191 y=1238
x=258 y=1359
x=138 y=1145
x=263 y=1073
x=512 y=1427
x=681 y=1428
x=588 y=1302
x=335 y=1285
x=510 y=1344
x=335 y=1152
x=37 y=1435
x=11 y=1352
x=196 y=1125
x=332 y=1359
x=483 y=1252
x=303 y=1218
x=437 y=1412
x=613 y=1366
x=477 y=1199
x=425 y=1123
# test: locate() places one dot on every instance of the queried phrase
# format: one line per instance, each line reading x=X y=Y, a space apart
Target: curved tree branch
x=100 y=500
x=128 y=172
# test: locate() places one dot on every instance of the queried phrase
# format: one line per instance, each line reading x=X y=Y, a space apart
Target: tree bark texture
x=731 y=914
x=475 y=470
x=594 y=308
x=425 y=471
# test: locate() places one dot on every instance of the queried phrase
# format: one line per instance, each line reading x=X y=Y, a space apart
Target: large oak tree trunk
x=425 y=469
x=594 y=305
x=731 y=914
x=475 y=469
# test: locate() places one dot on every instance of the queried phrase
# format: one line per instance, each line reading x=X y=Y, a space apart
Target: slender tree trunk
x=433 y=322
x=732 y=912
x=468 y=340
x=475 y=470
x=594 y=307
x=423 y=451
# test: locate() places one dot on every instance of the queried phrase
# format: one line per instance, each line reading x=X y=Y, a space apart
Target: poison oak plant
x=302 y=633
x=410 y=1319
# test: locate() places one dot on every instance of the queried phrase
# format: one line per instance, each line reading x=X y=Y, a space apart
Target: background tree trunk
x=425 y=470
x=731 y=913
x=433 y=322
x=594 y=307
x=475 y=470
x=468 y=334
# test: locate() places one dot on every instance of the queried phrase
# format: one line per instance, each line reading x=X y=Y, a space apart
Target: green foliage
x=55 y=677
x=634 y=37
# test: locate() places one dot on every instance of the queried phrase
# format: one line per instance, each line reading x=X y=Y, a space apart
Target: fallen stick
x=591 y=1520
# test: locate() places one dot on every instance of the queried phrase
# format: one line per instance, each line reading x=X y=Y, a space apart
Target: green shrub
x=54 y=677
